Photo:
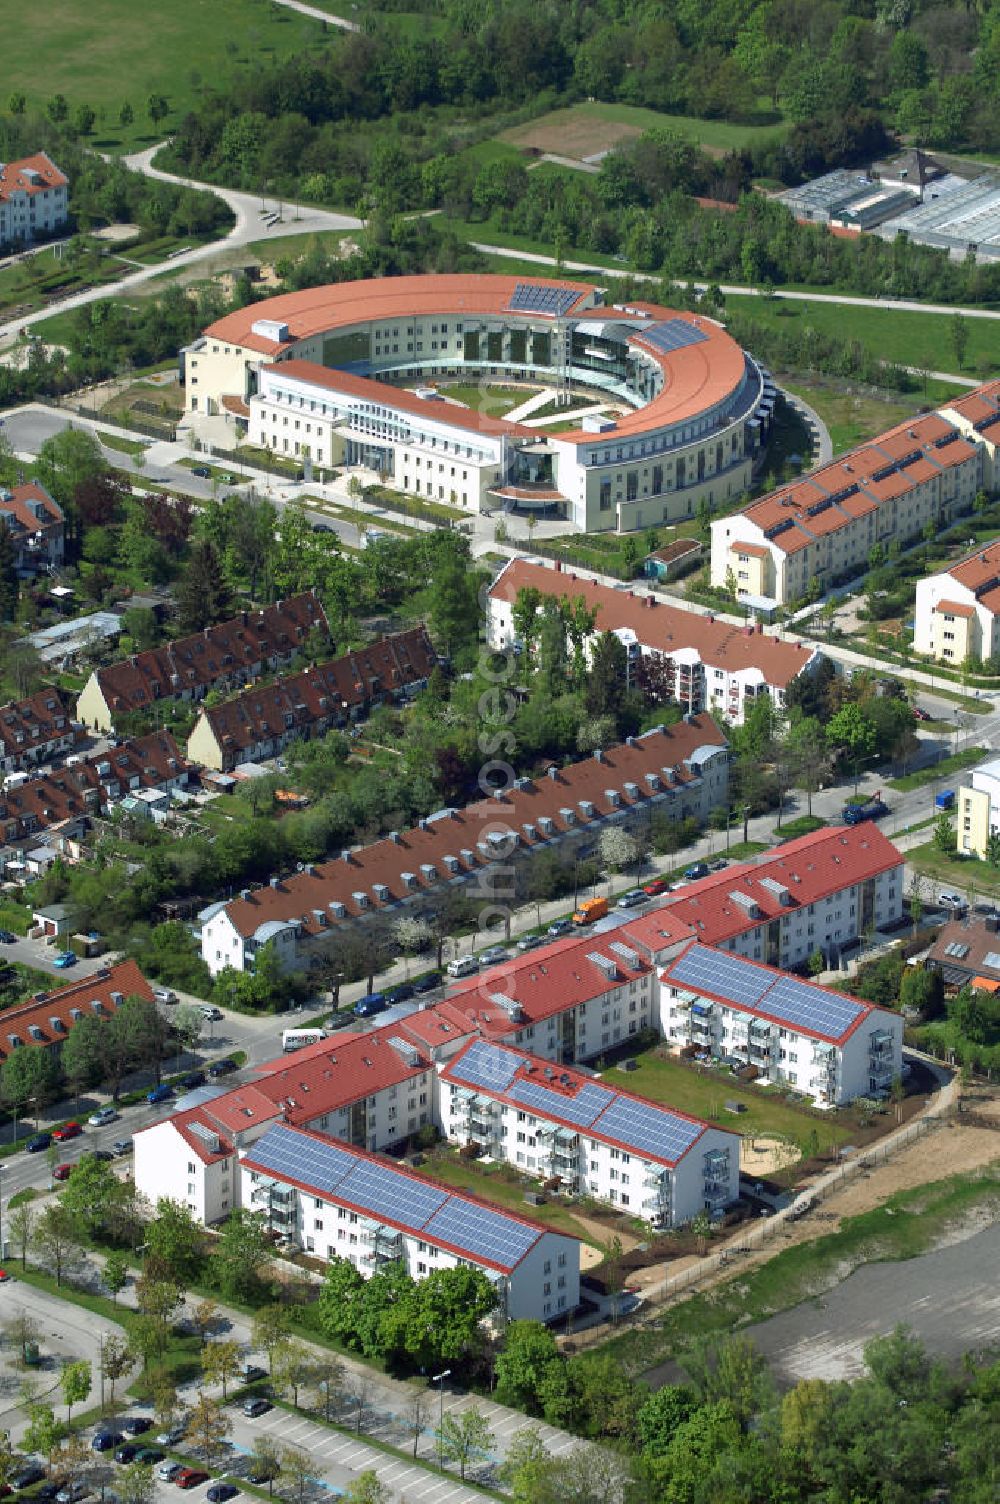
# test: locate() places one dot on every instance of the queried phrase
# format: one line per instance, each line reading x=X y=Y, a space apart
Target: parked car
x=103 y=1117
x=7 y=937
x=560 y=927
x=135 y=1425
x=719 y=864
x=252 y=1372
x=106 y=1441
x=161 y=1093
x=193 y=1079
x=367 y=1007
x=400 y=994
x=920 y=714
x=33 y=1473
x=222 y=1068
x=150 y=1456
x=67 y=1131
x=212 y=1014
x=168 y=1470
x=696 y=870
x=632 y=899
x=202 y=472
x=493 y=955
x=122 y=1146
x=105 y=1155
x=951 y=901
x=317 y=527
x=4 y=1276
x=172 y=1437
x=219 y=1493
x=62 y=1172
x=127 y=1452
x=656 y=886
x=70 y=1493
x=529 y=942
x=190 y=1477
x=39 y=1142
x=64 y=959
x=164 y=995
x=427 y=983
x=257 y=1406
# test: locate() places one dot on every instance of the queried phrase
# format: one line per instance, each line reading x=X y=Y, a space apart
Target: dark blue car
x=160 y=1094
x=38 y=1143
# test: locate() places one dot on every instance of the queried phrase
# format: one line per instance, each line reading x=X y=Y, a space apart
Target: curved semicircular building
x=347 y=374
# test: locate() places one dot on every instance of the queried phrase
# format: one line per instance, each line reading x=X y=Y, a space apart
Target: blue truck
x=872 y=808
x=945 y=800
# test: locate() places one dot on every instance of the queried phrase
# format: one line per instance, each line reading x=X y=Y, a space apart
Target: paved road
x=249 y=225
x=319 y=15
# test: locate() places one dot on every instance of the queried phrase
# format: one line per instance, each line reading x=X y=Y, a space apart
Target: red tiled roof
x=333 y=1073
x=919 y=449
x=812 y=867
x=184 y=1123
x=22 y=504
x=324 y=693
x=241 y=645
x=124 y=977
x=955 y=608
x=307 y=897
x=368 y=390
x=14 y=175
x=146 y=762
x=34 y=722
x=667 y=629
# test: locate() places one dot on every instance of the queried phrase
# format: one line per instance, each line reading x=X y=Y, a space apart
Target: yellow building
x=979 y=811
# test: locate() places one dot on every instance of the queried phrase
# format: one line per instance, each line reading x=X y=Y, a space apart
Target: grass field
x=111 y=51
x=492 y=1185
x=494 y=400
x=912 y=339
x=704 y=1093
x=584 y=130
x=852 y=417
x=965 y=872
x=274 y=247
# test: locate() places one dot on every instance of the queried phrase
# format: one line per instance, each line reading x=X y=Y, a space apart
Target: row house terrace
x=707 y=665
x=683 y=768
x=593 y=1139
x=225 y=656
x=34 y=730
x=72 y=795
x=261 y=722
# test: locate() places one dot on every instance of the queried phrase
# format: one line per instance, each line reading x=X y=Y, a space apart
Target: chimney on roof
x=552 y=771
x=345 y=856
x=650 y=600
x=598 y=754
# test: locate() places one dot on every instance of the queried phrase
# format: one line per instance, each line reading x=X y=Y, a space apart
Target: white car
x=103 y=1117
x=951 y=901
x=493 y=955
x=167 y=1470
x=164 y=995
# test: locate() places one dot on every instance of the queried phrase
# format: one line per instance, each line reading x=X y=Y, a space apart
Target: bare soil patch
x=574 y=132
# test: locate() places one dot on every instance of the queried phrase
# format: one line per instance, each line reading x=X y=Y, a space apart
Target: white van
x=15 y=780
x=297 y=1039
x=464 y=966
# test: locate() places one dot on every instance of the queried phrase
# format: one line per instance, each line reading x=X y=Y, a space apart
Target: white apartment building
x=639 y=1156
x=34 y=200
x=338 y=1202
x=824 y=1044
x=707 y=665
x=821 y=529
x=821 y=892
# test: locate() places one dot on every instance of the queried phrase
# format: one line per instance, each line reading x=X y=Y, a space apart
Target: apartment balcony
x=716 y=1193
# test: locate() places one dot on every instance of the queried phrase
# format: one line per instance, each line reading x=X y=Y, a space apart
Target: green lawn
x=956 y=763
x=851 y=416
x=966 y=872
x=492 y=1185
x=112 y=51
x=908 y=338
x=296 y=247
x=494 y=400
x=705 y=1093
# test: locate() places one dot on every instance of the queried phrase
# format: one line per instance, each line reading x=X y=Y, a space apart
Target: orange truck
x=591 y=909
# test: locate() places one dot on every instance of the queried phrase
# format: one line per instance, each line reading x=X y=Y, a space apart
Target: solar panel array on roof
x=582 y=1108
x=724 y=976
x=649 y=1128
x=487 y=1065
x=672 y=334
x=387 y=1194
x=495 y=1237
x=526 y=298
x=801 y=1005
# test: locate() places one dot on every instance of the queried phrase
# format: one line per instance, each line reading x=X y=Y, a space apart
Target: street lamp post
x=439 y=1379
x=2 y=1168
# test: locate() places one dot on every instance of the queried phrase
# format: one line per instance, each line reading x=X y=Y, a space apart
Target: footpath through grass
x=909 y=1224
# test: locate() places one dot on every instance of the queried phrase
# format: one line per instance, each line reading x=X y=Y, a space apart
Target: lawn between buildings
x=954 y=869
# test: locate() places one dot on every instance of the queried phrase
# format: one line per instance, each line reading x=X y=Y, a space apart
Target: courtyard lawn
x=704 y=1093
x=493 y=400
x=491 y=1184
x=111 y=52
